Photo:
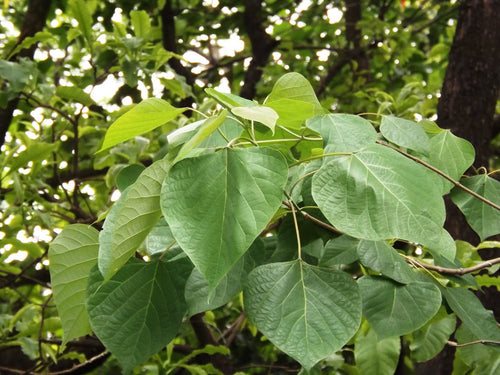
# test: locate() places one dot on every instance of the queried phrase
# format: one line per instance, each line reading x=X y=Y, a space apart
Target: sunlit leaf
x=306 y=311
x=265 y=115
x=145 y=116
x=72 y=254
x=292 y=113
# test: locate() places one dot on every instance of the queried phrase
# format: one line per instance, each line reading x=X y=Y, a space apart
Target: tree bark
x=34 y=21
x=262 y=46
x=470 y=91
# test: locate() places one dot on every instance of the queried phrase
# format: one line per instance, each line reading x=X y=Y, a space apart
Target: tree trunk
x=467 y=107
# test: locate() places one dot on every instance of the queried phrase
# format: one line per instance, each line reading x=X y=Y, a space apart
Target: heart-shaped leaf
x=405 y=133
x=139 y=310
x=217 y=204
x=394 y=309
x=378 y=194
x=72 y=254
x=307 y=311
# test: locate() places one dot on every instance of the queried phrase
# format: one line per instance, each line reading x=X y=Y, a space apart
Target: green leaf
x=229 y=100
x=343 y=133
x=306 y=311
x=472 y=313
x=198 y=295
x=376 y=356
x=294 y=86
x=378 y=194
x=206 y=129
x=340 y=250
x=141 y=23
x=106 y=235
x=140 y=309
x=394 y=309
x=451 y=155
x=128 y=175
x=429 y=340
x=80 y=12
x=265 y=115
x=17 y=74
x=145 y=116
x=71 y=255
x=137 y=215
x=75 y=94
x=159 y=238
x=405 y=133
x=292 y=113
x=381 y=257
x=483 y=218
x=217 y=204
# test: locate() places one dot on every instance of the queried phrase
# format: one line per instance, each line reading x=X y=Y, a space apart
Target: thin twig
x=318 y=222
x=455 y=271
x=457 y=345
x=442 y=174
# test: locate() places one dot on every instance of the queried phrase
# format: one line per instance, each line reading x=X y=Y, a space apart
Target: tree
x=262 y=220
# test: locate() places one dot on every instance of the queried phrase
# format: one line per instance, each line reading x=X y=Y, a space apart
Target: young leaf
x=265 y=115
x=429 y=340
x=343 y=133
x=472 y=313
x=394 y=309
x=306 y=311
x=72 y=254
x=405 y=133
x=484 y=219
x=451 y=155
x=81 y=13
x=141 y=23
x=294 y=86
x=378 y=194
x=208 y=127
x=229 y=100
x=292 y=113
x=140 y=309
x=217 y=204
x=145 y=116
x=376 y=356
x=381 y=257
x=137 y=215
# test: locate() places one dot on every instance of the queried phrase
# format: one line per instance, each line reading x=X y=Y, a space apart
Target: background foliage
x=59 y=61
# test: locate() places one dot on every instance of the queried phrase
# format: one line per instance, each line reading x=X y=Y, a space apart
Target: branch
x=318 y=222
x=454 y=271
x=262 y=46
x=442 y=174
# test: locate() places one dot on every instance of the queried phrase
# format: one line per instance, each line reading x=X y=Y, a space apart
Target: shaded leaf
x=381 y=257
x=140 y=309
x=217 y=204
x=376 y=356
x=429 y=340
x=378 y=194
x=472 y=313
x=405 y=133
x=343 y=133
x=451 y=155
x=306 y=311
x=72 y=254
x=394 y=309
x=483 y=218
x=340 y=250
